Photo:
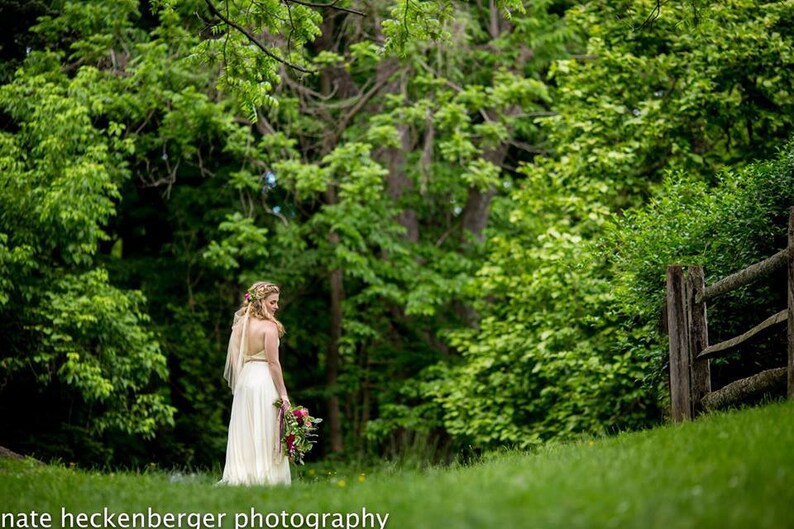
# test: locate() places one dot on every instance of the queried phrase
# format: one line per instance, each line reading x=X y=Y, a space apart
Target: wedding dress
x=253 y=454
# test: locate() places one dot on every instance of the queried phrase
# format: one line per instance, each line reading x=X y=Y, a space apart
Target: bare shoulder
x=269 y=328
x=262 y=326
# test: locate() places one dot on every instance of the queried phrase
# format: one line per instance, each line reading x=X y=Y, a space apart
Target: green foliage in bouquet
x=297 y=431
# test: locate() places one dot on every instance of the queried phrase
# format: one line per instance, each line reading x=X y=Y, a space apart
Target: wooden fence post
x=698 y=338
x=678 y=328
x=791 y=304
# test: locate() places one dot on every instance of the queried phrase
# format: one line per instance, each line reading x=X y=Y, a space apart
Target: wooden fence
x=690 y=352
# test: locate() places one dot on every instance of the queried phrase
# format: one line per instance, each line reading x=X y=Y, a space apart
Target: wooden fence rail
x=690 y=352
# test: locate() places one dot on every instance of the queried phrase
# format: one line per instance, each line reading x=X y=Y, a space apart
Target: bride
x=253 y=450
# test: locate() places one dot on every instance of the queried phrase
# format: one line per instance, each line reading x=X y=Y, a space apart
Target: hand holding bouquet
x=297 y=429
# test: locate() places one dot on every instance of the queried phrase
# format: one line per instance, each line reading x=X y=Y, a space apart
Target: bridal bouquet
x=297 y=431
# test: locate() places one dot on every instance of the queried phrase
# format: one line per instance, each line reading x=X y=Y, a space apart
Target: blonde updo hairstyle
x=254 y=302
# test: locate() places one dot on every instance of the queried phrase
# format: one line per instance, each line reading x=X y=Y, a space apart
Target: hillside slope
x=729 y=470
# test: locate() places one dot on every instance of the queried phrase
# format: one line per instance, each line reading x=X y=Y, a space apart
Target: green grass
x=733 y=470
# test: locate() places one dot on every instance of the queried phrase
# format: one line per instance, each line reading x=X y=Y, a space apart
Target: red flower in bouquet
x=297 y=431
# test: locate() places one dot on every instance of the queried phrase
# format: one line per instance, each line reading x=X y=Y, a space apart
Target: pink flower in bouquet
x=300 y=414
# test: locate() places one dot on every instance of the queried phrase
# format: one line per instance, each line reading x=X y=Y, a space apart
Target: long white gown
x=252 y=450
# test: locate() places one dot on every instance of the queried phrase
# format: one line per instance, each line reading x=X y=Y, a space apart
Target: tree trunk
x=477 y=211
x=332 y=357
x=474 y=221
x=366 y=399
x=478 y=203
x=332 y=80
x=398 y=183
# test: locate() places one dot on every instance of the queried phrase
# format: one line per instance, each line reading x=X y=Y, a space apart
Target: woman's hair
x=255 y=302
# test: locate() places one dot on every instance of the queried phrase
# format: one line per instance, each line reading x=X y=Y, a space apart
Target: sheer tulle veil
x=235 y=354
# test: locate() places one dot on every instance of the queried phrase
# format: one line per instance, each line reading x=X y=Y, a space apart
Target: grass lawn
x=731 y=470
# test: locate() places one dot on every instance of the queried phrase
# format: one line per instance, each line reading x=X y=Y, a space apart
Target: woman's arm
x=271 y=351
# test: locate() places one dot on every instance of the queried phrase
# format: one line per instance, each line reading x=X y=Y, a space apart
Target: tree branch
x=214 y=10
x=363 y=100
x=332 y=5
x=654 y=14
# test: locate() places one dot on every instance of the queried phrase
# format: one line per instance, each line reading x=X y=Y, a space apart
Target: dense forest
x=469 y=207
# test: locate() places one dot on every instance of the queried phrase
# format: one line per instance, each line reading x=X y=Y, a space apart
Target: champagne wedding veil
x=238 y=345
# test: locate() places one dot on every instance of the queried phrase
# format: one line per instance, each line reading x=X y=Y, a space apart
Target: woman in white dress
x=253 y=450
